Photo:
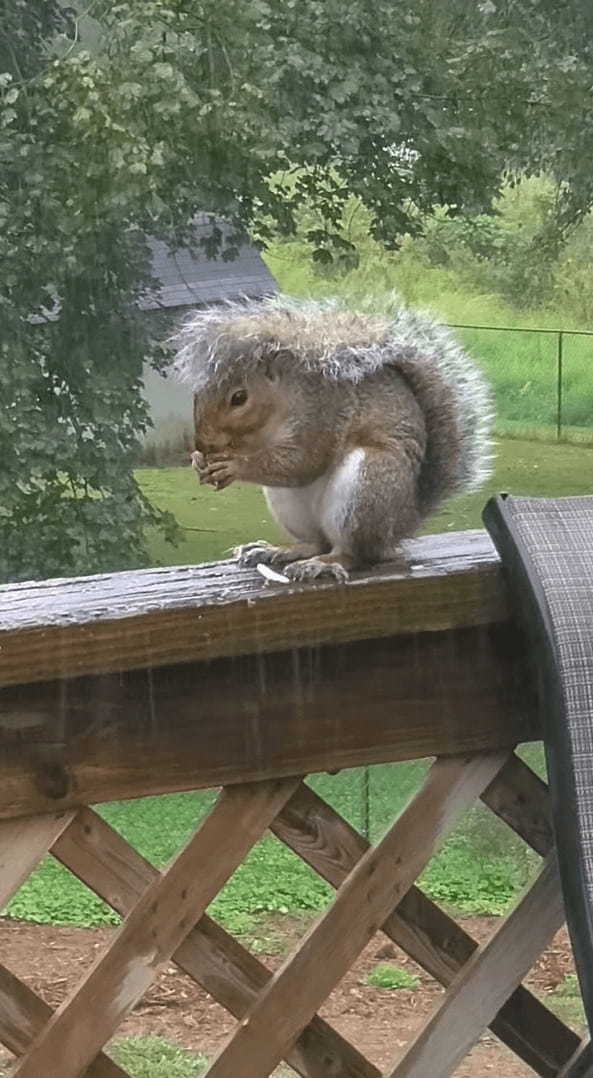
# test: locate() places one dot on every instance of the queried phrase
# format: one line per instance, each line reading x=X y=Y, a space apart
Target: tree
x=71 y=340
x=250 y=111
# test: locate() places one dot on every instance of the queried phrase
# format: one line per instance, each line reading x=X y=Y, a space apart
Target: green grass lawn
x=522 y=369
x=155 y=1057
x=481 y=867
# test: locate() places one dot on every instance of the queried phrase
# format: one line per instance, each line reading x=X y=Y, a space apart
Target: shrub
x=384 y=975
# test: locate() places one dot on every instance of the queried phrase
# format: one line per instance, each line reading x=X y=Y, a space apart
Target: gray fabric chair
x=546 y=547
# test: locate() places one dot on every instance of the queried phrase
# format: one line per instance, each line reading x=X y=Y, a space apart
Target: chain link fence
x=542 y=379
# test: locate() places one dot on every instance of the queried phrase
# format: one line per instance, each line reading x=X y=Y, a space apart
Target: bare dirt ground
x=378 y=1021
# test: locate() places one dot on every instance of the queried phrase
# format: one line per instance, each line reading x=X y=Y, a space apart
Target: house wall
x=170 y=404
x=170 y=408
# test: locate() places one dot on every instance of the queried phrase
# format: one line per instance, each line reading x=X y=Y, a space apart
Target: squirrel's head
x=240 y=412
x=251 y=365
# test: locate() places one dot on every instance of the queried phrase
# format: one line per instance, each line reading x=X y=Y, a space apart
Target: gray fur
x=343 y=345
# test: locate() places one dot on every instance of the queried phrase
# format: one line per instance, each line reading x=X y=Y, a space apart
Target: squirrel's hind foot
x=261 y=552
x=314 y=568
x=251 y=553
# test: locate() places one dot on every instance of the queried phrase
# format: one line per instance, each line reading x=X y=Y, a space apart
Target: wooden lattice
x=165 y=919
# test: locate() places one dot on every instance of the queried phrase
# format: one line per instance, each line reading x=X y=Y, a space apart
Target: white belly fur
x=318 y=512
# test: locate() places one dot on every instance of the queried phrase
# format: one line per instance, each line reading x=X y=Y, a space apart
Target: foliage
x=504 y=253
x=489 y=268
x=384 y=975
x=72 y=342
x=465 y=879
x=27 y=28
x=155 y=1057
x=569 y=986
x=573 y=274
x=501 y=252
x=52 y=894
x=565 y=1001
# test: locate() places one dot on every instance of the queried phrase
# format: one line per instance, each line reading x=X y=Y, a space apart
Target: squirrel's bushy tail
x=352 y=342
x=456 y=402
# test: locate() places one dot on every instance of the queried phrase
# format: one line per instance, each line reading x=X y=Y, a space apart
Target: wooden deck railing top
x=154 y=617
x=220 y=678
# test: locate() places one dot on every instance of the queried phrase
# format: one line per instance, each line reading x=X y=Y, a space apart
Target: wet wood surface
x=86 y=740
x=158 y=617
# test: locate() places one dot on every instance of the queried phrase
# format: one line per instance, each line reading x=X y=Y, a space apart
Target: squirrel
x=356 y=424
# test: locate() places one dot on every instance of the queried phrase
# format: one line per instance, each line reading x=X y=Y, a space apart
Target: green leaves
x=385 y=975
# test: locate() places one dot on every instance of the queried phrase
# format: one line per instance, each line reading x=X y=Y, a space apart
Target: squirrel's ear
x=274 y=363
x=271 y=369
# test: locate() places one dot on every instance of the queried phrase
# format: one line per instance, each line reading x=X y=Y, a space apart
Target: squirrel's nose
x=211 y=443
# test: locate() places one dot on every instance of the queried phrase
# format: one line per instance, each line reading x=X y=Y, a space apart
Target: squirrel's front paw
x=313 y=568
x=219 y=470
x=253 y=553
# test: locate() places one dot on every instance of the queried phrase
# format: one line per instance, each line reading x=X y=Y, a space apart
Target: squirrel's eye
x=238 y=398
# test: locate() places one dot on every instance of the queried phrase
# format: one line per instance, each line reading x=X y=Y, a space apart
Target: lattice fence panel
x=165 y=919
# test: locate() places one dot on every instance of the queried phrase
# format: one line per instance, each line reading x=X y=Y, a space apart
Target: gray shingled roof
x=188 y=280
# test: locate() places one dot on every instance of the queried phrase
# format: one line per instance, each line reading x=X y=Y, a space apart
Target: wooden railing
x=143 y=683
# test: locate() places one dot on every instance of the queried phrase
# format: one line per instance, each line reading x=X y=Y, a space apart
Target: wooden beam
x=23 y=1015
x=245 y=719
x=158 y=617
x=295 y=992
x=160 y=920
x=486 y=981
x=23 y=843
x=520 y=798
x=106 y=863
